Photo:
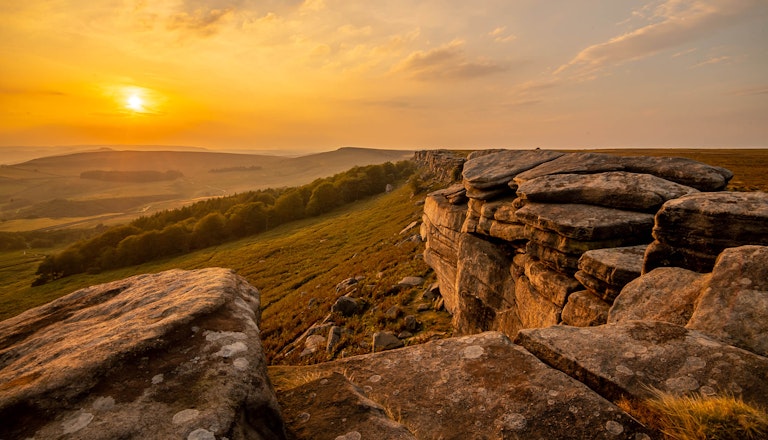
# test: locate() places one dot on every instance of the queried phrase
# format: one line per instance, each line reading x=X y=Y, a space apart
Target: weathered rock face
x=553 y=208
x=691 y=231
x=734 y=305
x=445 y=165
x=170 y=355
x=631 y=358
x=479 y=386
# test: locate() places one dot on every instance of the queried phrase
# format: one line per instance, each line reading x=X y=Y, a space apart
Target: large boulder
x=664 y=294
x=479 y=386
x=170 y=355
x=631 y=359
x=498 y=168
x=691 y=231
x=734 y=306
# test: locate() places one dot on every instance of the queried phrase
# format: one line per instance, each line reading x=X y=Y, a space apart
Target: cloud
x=500 y=35
x=714 y=60
x=447 y=62
x=204 y=22
x=673 y=23
x=763 y=90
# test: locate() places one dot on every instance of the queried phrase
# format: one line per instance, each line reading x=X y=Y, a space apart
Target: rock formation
x=528 y=236
x=170 y=355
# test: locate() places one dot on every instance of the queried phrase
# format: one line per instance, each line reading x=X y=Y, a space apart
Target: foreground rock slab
x=632 y=358
x=472 y=387
x=168 y=355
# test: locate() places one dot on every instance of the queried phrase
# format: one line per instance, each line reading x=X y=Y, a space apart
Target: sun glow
x=135 y=103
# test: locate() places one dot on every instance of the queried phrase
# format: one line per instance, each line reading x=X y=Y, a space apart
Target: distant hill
x=26 y=186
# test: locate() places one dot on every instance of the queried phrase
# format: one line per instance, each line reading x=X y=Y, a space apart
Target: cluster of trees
x=214 y=221
x=131 y=176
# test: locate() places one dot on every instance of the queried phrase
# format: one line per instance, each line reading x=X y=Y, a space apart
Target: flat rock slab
x=615 y=266
x=586 y=222
x=629 y=359
x=618 y=189
x=734 y=306
x=498 y=168
x=475 y=387
x=684 y=171
x=152 y=356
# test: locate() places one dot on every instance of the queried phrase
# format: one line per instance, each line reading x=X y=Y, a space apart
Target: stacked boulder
x=603 y=272
x=532 y=214
x=691 y=231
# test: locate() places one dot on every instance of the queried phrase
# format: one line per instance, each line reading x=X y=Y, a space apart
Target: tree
x=289 y=206
x=209 y=230
x=323 y=199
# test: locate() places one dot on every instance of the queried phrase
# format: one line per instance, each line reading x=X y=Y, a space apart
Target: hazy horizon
x=306 y=76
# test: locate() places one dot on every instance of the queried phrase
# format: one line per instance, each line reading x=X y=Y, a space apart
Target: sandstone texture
x=499 y=168
x=479 y=386
x=734 y=305
x=585 y=309
x=691 y=231
x=630 y=359
x=169 y=355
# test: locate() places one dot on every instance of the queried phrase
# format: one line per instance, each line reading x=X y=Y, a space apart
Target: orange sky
x=320 y=74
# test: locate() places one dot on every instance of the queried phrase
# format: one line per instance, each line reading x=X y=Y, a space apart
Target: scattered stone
x=385 y=341
x=411 y=324
x=346 y=306
x=312 y=344
x=734 y=306
x=346 y=284
x=62 y=360
x=393 y=313
x=431 y=293
x=410 y=226
x=584 y=309
x=478 y=386
x=334 y=336
x=423 y=308
x=404 y=335
x=411 y=281
x=664 y=294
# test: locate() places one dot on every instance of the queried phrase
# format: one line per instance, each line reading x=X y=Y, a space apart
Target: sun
x=135 y=102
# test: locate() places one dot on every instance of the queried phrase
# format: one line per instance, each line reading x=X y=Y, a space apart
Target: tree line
x=214 y=221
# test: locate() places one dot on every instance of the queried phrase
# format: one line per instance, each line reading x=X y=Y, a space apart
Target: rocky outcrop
x=169 y=355
x=691 y=231
x=479 y=386
x=445 y=165
x=552 y=208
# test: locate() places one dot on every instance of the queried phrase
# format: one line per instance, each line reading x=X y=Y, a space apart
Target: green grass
x=290 y=265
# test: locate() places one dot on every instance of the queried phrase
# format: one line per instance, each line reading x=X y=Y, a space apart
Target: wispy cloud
x=500 y=35
x=447 y=62
x=202 y=21
x=714 y=60
x=673 y=23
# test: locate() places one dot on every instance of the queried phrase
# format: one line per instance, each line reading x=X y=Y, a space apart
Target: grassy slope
x=290 y=265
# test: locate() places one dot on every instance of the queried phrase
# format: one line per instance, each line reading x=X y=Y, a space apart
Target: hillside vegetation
x=297 y=267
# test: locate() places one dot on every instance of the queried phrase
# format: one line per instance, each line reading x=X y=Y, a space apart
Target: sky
x=322 y=74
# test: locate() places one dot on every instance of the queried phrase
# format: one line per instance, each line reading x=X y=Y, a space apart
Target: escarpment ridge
x=561 y=288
